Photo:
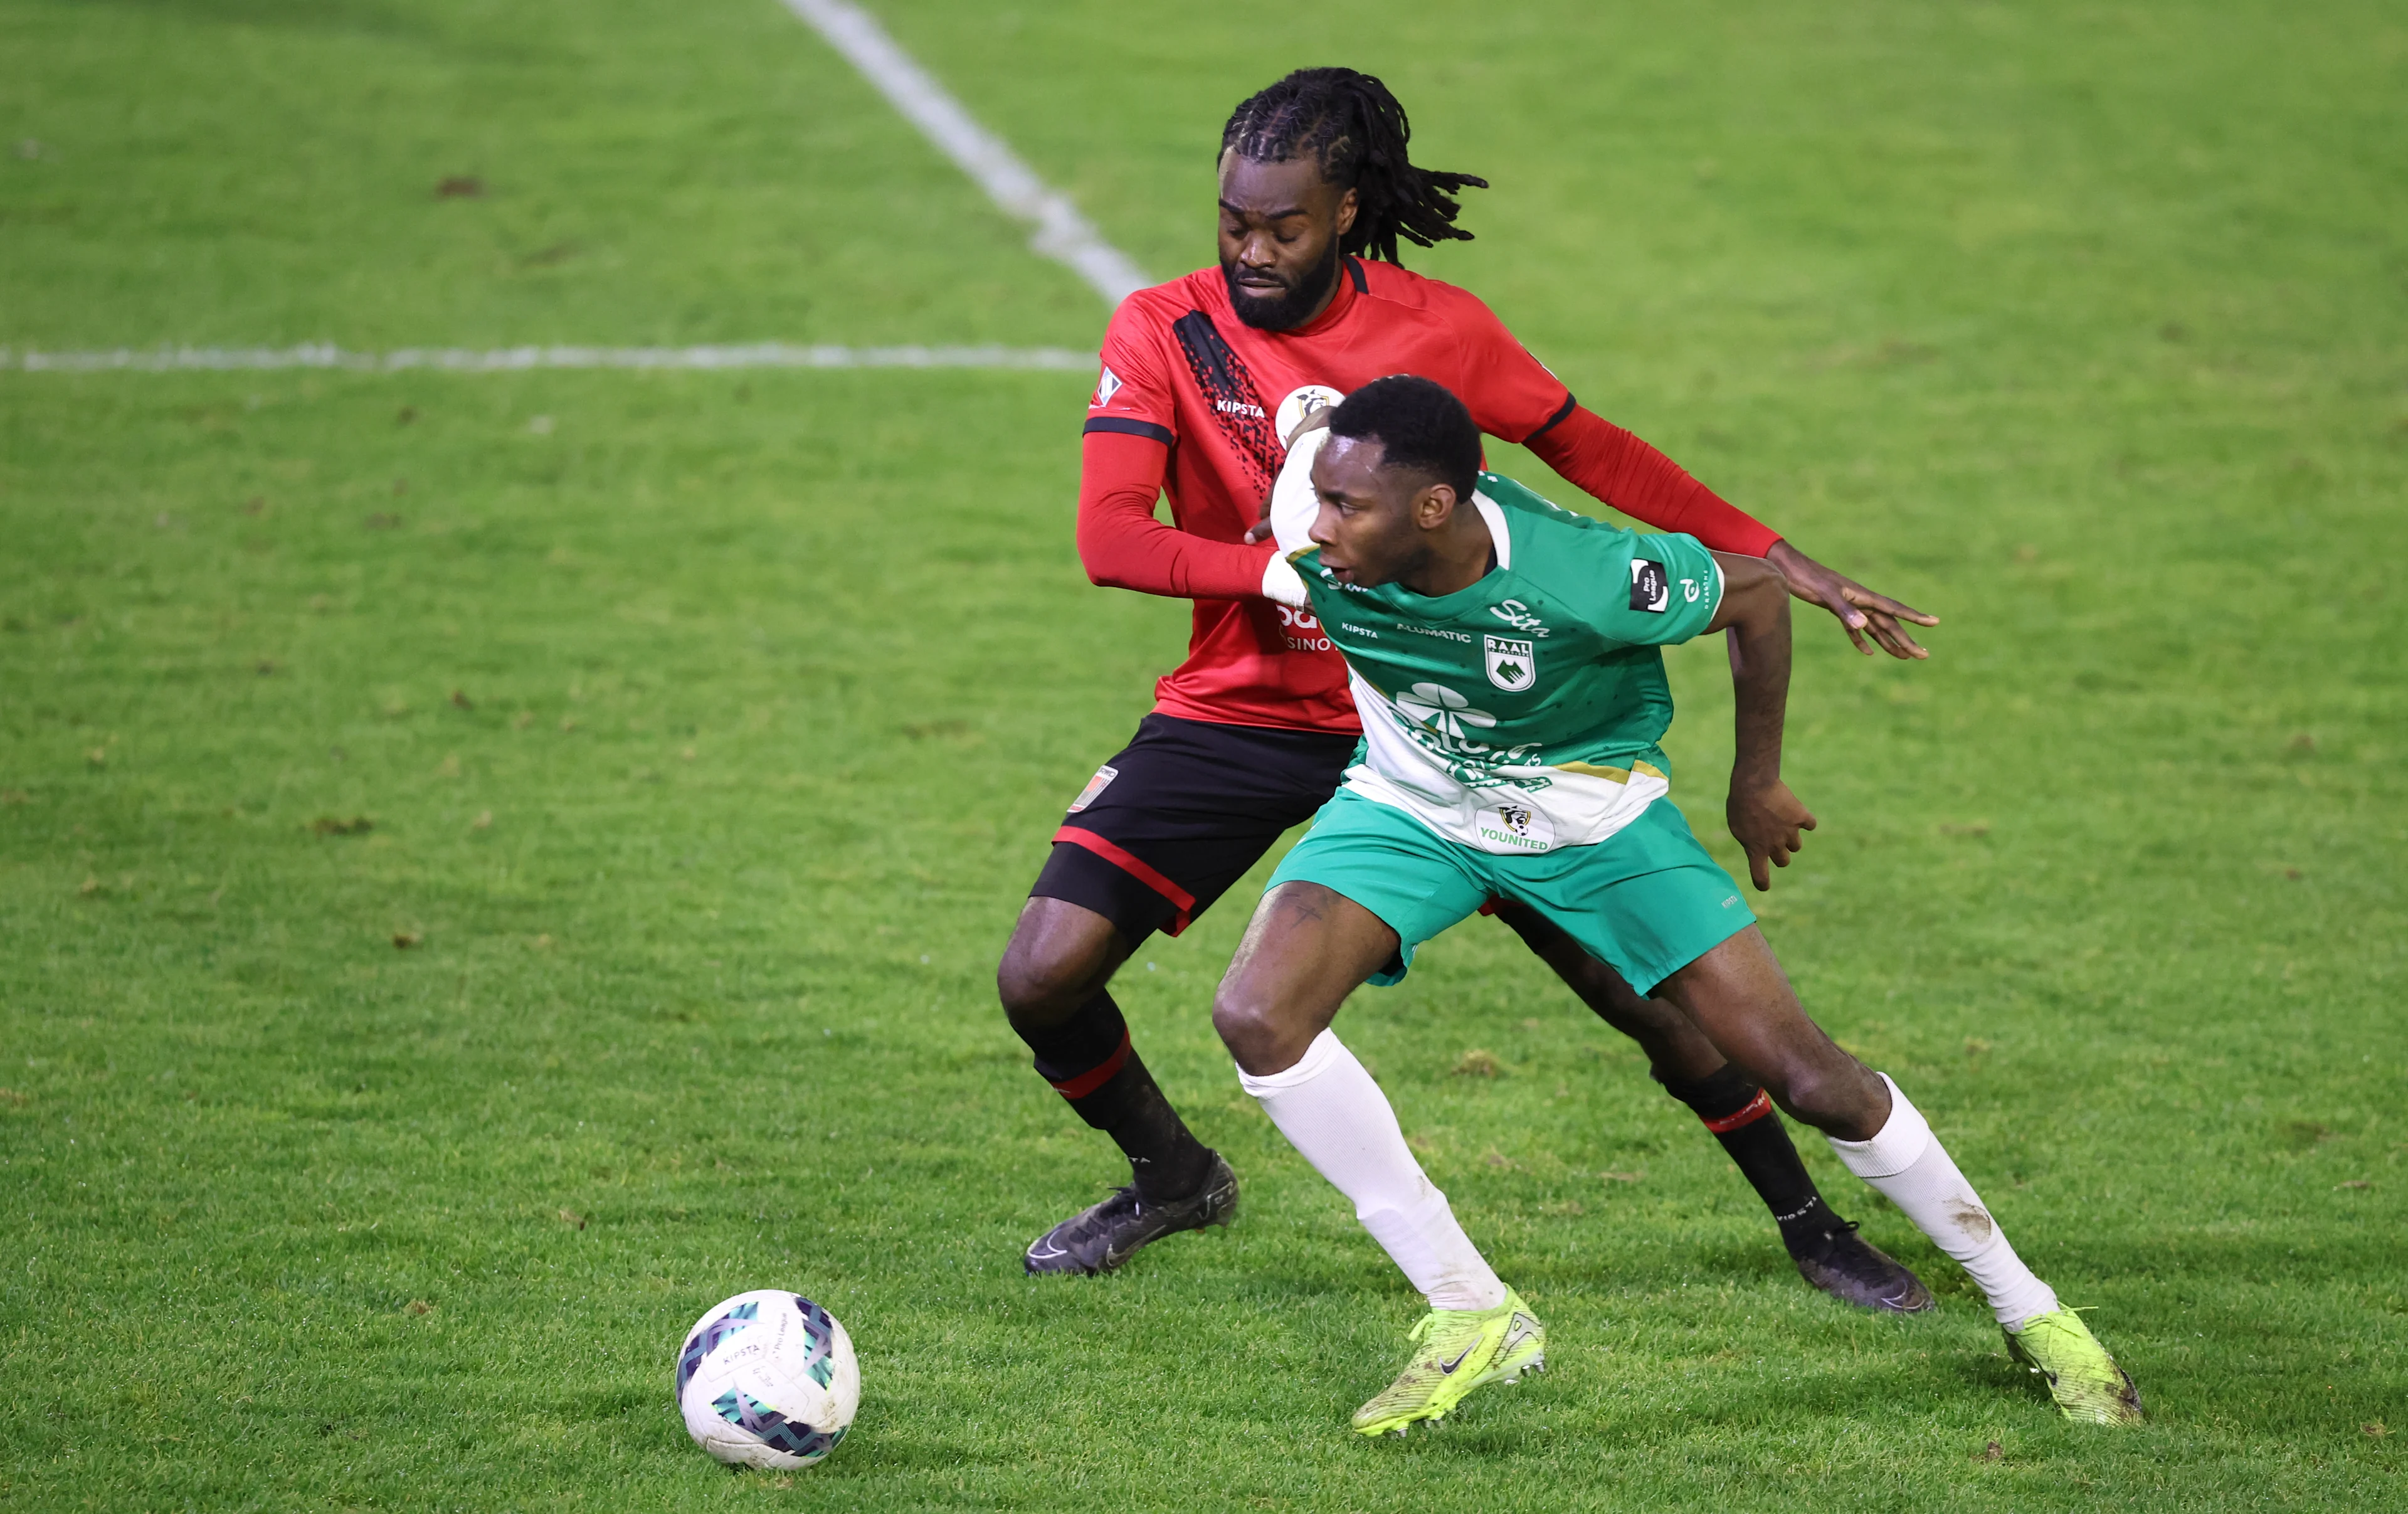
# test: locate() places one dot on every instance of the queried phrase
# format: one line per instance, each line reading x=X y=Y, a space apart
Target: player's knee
x=1249 y=1028
x=1039 y=987
x=1239 y=1019
x=1832 y=1095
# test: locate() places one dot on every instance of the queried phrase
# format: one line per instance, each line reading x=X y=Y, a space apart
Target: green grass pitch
x=2081 y=325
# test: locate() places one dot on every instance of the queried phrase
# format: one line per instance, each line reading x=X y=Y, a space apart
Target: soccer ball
x=768 y=1379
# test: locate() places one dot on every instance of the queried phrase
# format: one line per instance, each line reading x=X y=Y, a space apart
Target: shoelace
x=2053 y=1322
x=1135 y=1203
x=1422 y=1327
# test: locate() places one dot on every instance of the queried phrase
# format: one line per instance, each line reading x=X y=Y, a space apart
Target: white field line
x=1061 y=234
x=761 y=354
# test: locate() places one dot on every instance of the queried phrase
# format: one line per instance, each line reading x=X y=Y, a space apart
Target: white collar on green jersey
x=1495 y=517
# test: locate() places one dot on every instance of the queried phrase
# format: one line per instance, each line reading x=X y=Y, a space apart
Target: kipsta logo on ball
x=768 y=1379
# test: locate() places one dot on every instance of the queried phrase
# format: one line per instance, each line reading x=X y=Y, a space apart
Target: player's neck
x=1461 y=554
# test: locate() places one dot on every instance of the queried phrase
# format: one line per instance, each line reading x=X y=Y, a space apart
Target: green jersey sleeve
x=1649 y=590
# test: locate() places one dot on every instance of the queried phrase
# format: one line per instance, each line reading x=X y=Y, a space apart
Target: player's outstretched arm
x=1766 y=818
x=1859 y=610
x=1640 y=481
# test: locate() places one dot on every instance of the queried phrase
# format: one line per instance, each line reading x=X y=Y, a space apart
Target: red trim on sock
x=1753 y=1110
x=1097 y=1076
x=1179 y=898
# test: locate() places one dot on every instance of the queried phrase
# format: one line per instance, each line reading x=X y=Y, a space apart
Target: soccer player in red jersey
x=1203 y=379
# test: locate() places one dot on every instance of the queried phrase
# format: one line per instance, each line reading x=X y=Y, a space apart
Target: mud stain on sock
x=1974 y=1217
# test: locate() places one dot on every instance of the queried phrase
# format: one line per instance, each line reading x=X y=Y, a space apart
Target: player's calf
x=1826 y=1249
x=1737 y=995
x=1051 y=982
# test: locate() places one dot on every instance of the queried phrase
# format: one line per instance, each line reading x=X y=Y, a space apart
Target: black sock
x=1742 y=1120
x=1090 y=1062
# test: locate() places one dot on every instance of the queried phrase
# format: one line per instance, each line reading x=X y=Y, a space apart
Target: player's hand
x=1283 y=585
x=1766 y=819
x=1860 y=609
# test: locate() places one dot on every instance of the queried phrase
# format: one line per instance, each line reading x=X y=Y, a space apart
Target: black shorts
x=1165 y=828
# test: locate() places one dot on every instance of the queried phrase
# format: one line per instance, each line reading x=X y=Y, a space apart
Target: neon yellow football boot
x=1459 y=1349
x=2083 y=1379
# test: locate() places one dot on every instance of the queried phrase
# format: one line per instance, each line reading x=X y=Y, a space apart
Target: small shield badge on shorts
x=1510 y=664
x=1096 y=785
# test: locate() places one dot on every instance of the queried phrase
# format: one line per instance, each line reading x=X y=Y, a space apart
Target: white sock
x=1906 y=1164
x=1329 y=1109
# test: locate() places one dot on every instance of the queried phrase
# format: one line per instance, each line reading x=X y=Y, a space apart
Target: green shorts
x=1647 y=899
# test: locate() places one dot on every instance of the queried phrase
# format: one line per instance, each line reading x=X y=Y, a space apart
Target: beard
x=1290 y=306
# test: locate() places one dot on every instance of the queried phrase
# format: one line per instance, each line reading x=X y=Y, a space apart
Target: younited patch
x=1517 y=828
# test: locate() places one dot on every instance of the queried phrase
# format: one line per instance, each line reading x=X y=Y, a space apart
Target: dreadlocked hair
x=1354 y=128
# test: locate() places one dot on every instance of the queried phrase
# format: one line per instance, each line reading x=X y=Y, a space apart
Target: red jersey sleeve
x=1509 y=392
x=1643 y=483
x=1124 y=546
x=1133 y=394
x=1132 y=425
x=1512 y=395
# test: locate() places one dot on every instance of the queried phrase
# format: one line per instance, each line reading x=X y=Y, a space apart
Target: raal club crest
x=1513 y=664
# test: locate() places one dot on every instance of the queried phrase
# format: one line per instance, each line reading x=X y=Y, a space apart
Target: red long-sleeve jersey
x=1189 y=404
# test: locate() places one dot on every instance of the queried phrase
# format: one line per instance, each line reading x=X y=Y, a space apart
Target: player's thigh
x=1676 y=1048
x=1304 y=951
x=1182 y=813
x=1599 y=985
x=1739 y=996
x=1385 y=863
x=1647 y=900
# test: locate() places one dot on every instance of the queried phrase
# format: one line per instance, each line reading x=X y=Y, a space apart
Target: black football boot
x=1100 y=1238
x=1834 y=1258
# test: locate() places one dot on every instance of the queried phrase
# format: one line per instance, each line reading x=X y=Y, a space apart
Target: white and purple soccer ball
x=768 y=1379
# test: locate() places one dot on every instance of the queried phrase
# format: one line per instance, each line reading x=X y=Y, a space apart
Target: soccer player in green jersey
x=1505 y=656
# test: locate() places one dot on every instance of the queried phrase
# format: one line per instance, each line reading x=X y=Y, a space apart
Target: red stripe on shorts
x=1181 y=899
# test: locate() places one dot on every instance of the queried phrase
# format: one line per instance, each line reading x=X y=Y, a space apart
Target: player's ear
x=1349 y=205
x=1434 y=506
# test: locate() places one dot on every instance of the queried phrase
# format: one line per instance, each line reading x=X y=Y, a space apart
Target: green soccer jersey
x=1522 y=714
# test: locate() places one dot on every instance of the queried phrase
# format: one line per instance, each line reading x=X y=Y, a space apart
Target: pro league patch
x=1650 y=590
